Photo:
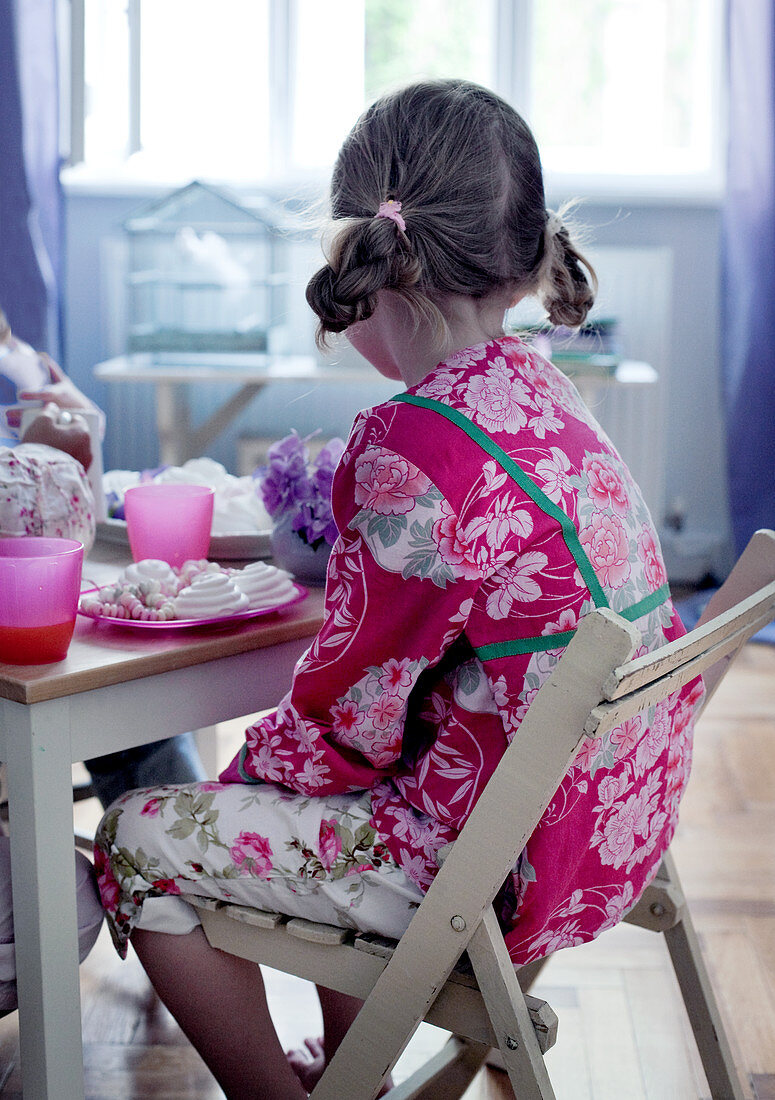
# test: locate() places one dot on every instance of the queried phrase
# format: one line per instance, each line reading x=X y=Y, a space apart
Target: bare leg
x=220 y=1003
x=339 y=1011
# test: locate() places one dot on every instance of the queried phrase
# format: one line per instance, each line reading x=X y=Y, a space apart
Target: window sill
x=705 y=189
x=699 y=191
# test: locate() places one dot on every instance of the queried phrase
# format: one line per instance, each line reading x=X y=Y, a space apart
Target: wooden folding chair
x=451 y=966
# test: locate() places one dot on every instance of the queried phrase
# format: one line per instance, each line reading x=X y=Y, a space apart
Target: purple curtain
x=30 y=193
x=749 y=268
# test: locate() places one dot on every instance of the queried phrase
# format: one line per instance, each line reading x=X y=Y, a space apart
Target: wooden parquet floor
x=623 y=1030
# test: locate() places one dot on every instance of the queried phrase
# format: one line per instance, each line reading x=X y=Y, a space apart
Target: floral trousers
x=258 y=845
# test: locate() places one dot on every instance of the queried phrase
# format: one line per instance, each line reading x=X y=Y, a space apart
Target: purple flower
x=285 y=479
x=290 y=484
x=151 y=475
x=329 y=456
x=115 y=505
x=322 y=480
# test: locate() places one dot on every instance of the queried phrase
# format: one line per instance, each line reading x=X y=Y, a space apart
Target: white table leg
x=207 y=745
x=200 y=439
x=38 y=768
x=172 y=422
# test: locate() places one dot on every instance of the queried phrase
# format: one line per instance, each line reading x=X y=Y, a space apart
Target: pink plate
x=187 y=624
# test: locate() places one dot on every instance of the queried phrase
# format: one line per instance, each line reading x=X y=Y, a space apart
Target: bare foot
x=308 y=1065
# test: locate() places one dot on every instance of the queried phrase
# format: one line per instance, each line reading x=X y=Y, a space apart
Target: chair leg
x=399 y=1002
x=447 y=1075
x=663 y=909
x=389 y=1017
x=527 y=975
x=508 y=1012
x=703 y=1011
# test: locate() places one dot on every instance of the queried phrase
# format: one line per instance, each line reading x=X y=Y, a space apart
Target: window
x=262 y=90
x=639 y=87
x=345 y=64
x=204 y=86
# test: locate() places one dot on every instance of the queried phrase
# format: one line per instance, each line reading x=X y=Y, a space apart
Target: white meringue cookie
x=264 y=585
x=208 y=595
x=149 y=569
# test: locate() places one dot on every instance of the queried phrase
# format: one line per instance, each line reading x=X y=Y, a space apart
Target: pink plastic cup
x=40 y=582
x=169 y=522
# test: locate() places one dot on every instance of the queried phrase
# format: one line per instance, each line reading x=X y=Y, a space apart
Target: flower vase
x=290 y=552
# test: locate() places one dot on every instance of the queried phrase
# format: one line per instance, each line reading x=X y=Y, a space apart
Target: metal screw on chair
x=511 y=1042
x=458 y=923
x=658 y=909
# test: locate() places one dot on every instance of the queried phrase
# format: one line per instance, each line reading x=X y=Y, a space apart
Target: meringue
x=264 y=585
x=150 y=569
x=208 y=595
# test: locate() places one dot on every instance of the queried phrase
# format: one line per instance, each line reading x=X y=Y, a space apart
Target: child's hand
x=61 y=391
x=57 y=427
x=58 y=393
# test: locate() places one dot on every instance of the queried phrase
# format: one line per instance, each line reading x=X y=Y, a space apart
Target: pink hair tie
x=392 y=209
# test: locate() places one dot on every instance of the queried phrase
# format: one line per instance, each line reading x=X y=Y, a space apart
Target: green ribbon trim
x=243 y=755
x=647 y=604
x=528 y=486
x=556 y=641
x=523 y=645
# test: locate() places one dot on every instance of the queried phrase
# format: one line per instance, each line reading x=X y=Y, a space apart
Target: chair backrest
x=595 y=686
x=742 y=606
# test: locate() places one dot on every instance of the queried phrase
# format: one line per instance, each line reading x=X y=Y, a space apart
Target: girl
x=482 y=512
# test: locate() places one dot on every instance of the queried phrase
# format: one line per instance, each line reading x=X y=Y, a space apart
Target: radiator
x=636 y=288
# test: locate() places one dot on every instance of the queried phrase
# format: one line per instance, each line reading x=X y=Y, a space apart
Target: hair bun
x=568 y=282
x=367 y=255
x=336 y=308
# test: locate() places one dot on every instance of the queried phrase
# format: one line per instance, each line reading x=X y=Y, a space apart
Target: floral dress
x=481 y=514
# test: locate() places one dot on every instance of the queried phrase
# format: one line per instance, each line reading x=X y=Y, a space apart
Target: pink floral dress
x=481 y=515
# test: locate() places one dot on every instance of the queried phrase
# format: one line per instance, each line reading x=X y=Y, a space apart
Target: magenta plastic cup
x=169 y=522
x=40 y=583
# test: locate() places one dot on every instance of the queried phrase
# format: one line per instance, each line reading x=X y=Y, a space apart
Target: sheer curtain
x=748 y=369
x=30 y=192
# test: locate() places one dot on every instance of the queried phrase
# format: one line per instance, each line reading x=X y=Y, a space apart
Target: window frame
x=512 y=78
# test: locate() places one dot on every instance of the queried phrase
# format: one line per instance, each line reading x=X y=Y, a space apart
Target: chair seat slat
x=328 y=936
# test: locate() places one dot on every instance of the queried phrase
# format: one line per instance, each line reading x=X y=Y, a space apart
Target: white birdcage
x=206 y=274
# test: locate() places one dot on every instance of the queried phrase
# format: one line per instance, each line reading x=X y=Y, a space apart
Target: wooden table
x=173 y=372
x=116 y=689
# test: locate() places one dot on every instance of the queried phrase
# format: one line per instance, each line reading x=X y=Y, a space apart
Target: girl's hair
x=465 y=168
